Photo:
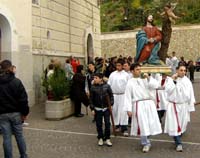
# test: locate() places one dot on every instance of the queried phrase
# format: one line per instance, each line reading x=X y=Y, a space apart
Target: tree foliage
x=60 y=86
x=57 y=84
x=119 y=15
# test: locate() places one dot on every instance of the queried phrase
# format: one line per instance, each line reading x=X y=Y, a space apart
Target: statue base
x=156 y=69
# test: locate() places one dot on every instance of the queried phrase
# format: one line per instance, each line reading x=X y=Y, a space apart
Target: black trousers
x=161 y=113
x=99 y=124
x=192 y=75
x=77 y=103
x=123 y=127
x=77 y=107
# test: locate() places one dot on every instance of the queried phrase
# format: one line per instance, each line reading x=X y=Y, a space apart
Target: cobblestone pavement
x=76 y=137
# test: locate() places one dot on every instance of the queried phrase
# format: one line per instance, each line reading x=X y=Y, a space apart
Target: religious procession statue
x=148 y=43
x=152 y=44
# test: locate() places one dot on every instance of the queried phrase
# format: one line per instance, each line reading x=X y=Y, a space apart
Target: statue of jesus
x=148 y=43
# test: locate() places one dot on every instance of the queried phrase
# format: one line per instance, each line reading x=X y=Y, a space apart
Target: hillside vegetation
x=117 y=15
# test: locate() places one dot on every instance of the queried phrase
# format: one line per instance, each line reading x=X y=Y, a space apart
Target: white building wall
x=18 y=45
x=49 y=29
x=69 y=23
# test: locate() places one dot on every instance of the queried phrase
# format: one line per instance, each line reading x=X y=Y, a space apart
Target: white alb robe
x=181 y=103
x=168 y=62
x=138 y=100
x=118 y=80
x=175 y=62
x=130 y=74
x=160 y=95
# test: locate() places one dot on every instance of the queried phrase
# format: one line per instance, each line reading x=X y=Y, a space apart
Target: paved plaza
x=76 y=138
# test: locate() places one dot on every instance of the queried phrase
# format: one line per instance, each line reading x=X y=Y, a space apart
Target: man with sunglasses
x=180 y=96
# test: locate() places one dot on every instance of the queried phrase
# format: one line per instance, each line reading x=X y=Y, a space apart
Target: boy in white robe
x=160 y=96
x=175 y=62
x=181 y=99
x=126 y=68
x=140 y=105
x=118 y=80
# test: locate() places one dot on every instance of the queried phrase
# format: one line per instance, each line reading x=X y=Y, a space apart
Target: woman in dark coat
x=78 y=94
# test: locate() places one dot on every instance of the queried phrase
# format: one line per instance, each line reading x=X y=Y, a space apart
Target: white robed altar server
x=118 y=80
x=140 y=105
x=174 y=61
x=161 y=101
x=181 y=99
x=160 y=95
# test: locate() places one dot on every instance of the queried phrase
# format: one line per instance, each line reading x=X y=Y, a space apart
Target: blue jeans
x=145 y=141
x=177 y=140
x=99 y=123
x=11 y=123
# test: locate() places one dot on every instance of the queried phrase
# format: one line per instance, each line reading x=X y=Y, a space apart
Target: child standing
x=99 y=106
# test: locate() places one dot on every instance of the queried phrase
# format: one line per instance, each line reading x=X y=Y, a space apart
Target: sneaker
x=179 y=148
x=100 y=142
x=146 y=148
x=25 y=124
x=117 y=129
x=125 y=134
x=108 y=142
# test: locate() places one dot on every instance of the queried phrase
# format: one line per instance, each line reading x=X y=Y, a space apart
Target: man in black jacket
x=78 y=94
x=99 y=107
x=13 y=109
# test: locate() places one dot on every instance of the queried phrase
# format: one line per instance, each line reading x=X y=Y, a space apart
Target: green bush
x=57 y=84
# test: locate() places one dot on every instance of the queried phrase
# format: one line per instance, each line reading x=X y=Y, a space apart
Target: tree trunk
x=166 y=33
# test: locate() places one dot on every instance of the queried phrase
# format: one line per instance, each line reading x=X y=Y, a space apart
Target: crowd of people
x=141 y=100
x=112 y=87
x=115 y=88
x=173 y=62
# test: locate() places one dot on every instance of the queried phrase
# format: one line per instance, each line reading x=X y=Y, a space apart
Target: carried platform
x=156 y=69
